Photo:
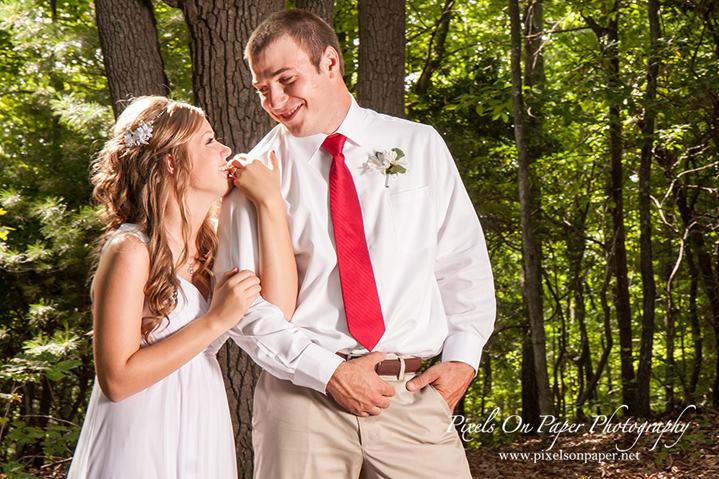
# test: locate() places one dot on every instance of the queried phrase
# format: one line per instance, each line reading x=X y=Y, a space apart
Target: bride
x=158 y=408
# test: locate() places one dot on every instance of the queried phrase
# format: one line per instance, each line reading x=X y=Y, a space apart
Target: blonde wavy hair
x=134 y=185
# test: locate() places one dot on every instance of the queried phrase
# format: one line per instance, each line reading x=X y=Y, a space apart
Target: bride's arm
x=277 y=267
x=124 y=369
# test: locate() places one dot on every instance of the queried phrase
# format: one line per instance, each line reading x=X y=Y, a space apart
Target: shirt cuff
x=316 y=367
x=463 y=347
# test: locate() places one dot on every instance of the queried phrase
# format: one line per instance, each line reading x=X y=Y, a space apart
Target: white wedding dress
x=178 y=428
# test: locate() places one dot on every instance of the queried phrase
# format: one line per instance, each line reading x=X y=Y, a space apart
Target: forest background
x=586 y=132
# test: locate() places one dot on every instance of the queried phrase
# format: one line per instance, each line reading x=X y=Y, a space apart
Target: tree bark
x=615 y=194
x=325 y=9
x=241 y=375
x=530 y=405
x=222 y=84
x=534 y=78
x=576 y=247
x=645 y=220
x=435 y=49
x=711 y=286
x=694 y=321
x=532 y=283
x=592 y=384
x=380 y=70
x=485 y=364
x=130 y=50
x=669 y=337
x=221 y=79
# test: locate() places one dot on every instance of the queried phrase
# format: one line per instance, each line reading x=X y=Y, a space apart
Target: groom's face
x=291 y=89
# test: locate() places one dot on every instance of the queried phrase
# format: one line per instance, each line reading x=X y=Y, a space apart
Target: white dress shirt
x=427 y=249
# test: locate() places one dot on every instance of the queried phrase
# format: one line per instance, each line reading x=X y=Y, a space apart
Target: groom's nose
x=276 y=97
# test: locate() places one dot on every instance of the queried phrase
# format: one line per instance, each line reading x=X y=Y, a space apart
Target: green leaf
x=394 y=169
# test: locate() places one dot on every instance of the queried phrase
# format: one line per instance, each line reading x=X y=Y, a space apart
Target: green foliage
x=469 y=102
x=175 y=49
x=55 y=114
x=42 y=357
x=346 y=26
x=14 y=470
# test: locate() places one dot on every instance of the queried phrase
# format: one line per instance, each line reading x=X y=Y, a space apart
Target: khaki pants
x=300 y=433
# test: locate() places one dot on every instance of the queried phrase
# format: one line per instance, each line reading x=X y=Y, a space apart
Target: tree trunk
x=222 y=83
x=435 y=49
x=603 y=361
x=576 y=247
x=694 y=321
x=559 y=388
x=711 y=286
x=670 y=335
x=615 y=192
x=530 y=405
x=325 y=9
x=380 y=70
x=645 y=220
x=130 y=50
x=584 y=369
x=221 y=79
x=534 y=78
x=532 y=283
x=241 y=374
x=485 y=364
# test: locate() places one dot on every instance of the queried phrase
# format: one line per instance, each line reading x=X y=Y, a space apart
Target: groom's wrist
x=315 y=368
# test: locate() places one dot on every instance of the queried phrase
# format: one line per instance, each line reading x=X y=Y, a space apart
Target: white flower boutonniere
x=388 y=162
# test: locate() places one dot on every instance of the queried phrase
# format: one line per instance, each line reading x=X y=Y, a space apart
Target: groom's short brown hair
x=308 y=30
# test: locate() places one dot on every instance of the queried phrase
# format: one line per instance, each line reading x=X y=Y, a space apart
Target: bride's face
x=208 y=158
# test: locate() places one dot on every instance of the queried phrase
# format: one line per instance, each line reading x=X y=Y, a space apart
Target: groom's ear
x=331 y=61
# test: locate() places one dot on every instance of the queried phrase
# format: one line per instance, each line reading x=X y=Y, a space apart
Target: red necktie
x=359 y=291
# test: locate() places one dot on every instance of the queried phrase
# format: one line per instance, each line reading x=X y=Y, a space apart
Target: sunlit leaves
x=54 y=115
x=43 y=356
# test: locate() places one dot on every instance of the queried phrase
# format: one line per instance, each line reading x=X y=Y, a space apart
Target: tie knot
x=334 y=144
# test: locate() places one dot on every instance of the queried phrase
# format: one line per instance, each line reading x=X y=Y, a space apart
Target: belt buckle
x=402 y=367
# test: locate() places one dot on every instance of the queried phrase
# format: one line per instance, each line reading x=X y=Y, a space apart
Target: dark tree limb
x=380 y=70
x=130 y=50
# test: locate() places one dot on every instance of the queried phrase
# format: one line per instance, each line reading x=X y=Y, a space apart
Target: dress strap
x=127 y=228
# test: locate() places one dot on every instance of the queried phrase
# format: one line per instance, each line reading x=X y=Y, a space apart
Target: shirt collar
x=306 y=147
x=351 y=127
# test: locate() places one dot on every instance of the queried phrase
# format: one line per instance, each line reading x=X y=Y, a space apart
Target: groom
x=392 y=266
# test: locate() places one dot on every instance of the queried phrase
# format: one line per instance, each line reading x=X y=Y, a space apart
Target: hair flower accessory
x=141 y=134
x=388 y=162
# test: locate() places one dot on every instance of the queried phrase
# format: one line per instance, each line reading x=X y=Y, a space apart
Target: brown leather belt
x=392 y=367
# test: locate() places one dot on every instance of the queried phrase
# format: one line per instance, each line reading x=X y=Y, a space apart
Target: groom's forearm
x=283 y=349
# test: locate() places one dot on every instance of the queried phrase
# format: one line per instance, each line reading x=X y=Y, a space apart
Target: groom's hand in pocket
x=451 y=379
x=357 y=388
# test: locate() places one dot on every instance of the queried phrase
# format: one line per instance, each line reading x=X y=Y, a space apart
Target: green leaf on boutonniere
x=396 y=169
x=400 y=154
